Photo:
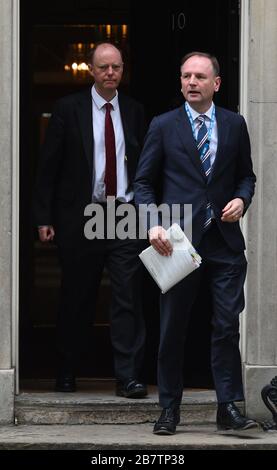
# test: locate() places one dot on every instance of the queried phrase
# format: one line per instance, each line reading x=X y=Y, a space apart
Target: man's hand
x=158 y=239
x=46 y=233
x=233 y=211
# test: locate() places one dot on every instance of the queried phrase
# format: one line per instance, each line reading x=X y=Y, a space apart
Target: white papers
x=168 y=270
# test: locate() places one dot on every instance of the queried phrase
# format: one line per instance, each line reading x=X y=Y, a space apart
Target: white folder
x=168 y=270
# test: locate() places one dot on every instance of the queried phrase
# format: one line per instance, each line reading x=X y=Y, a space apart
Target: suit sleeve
x=149 y=166
x=48 y=169
x=245 y=177
x=148 y=181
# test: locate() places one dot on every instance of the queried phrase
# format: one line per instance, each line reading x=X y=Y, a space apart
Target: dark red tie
x=110 y=173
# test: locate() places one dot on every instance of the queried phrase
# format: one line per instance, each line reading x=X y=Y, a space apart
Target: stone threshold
x=129 y=437
x=95 y=402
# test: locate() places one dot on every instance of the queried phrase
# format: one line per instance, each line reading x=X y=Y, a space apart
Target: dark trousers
x=225 y=272
x=82 y=269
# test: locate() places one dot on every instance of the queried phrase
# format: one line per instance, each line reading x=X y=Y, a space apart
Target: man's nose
x=110 y=70
x=192 y=80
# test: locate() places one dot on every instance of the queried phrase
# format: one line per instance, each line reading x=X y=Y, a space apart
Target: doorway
x=55 y=35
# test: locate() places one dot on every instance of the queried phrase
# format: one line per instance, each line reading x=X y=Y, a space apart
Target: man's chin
x=194 y=97
x=110 y=85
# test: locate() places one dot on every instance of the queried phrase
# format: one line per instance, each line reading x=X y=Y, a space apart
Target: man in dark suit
x=199 y=155
x=90 y=154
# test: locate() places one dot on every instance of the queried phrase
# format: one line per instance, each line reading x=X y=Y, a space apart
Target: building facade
x=258 y=103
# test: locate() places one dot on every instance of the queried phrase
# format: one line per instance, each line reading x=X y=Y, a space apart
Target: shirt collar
x=100 y=101
x=195 y=114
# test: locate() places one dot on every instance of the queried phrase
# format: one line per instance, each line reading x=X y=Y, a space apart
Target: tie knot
x=108 y=107
x=201 y=118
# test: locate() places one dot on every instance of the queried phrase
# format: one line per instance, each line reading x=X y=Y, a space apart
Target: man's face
x=107 y=68
x=199 y=82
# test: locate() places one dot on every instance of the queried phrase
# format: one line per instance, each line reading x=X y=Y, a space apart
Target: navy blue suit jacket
x=170 y=171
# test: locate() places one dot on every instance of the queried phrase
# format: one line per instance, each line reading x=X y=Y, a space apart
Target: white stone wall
x=261 y=323
x=6 y=71
x=5 y=182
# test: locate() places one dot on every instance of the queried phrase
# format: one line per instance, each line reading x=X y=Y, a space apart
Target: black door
x=53 y=35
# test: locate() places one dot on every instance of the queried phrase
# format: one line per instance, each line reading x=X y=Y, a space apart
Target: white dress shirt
x=99 y=160
x=214 y=136
x=208 y=119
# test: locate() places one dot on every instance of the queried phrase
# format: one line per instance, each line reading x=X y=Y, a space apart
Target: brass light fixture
x=76 y=60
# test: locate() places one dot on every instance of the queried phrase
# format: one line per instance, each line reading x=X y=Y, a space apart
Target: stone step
x=99 y=438
x=95 y=403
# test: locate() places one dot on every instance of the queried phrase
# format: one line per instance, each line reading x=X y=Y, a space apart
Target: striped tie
x=203 y=146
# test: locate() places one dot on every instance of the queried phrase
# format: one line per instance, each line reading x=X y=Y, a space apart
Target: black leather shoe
x=65 y=383
x=131 y=389
x=230 y=418
x=168 y=421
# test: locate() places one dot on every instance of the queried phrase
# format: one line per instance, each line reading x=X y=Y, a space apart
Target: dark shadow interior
x=54 y=35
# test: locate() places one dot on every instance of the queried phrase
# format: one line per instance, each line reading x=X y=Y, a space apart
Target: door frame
x=243 y=109
x=243 y=101
x=15 y=187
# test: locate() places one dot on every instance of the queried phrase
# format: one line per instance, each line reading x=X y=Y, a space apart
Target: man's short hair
x=212 y=58
x=106 y=43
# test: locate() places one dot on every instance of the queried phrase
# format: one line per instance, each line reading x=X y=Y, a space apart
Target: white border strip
x=243 y=108
x=244 y=52
x=15 y=186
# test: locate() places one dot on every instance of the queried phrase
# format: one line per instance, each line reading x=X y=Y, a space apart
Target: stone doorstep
x=129 y=437
x=95 y=403
x=105 y=414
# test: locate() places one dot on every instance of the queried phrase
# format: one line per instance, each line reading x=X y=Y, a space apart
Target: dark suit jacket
x=170 y=162
x=65 y=170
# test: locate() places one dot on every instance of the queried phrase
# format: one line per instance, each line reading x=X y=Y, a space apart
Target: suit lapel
x=185 y=133
x=223 y=129
x=126 y=122
x=84 y=113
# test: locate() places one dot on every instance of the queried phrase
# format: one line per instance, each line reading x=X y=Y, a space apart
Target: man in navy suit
x=199 y=154
x=85 y=129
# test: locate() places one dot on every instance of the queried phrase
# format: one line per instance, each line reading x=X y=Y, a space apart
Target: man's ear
x=217 y=83
x=90 y=70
